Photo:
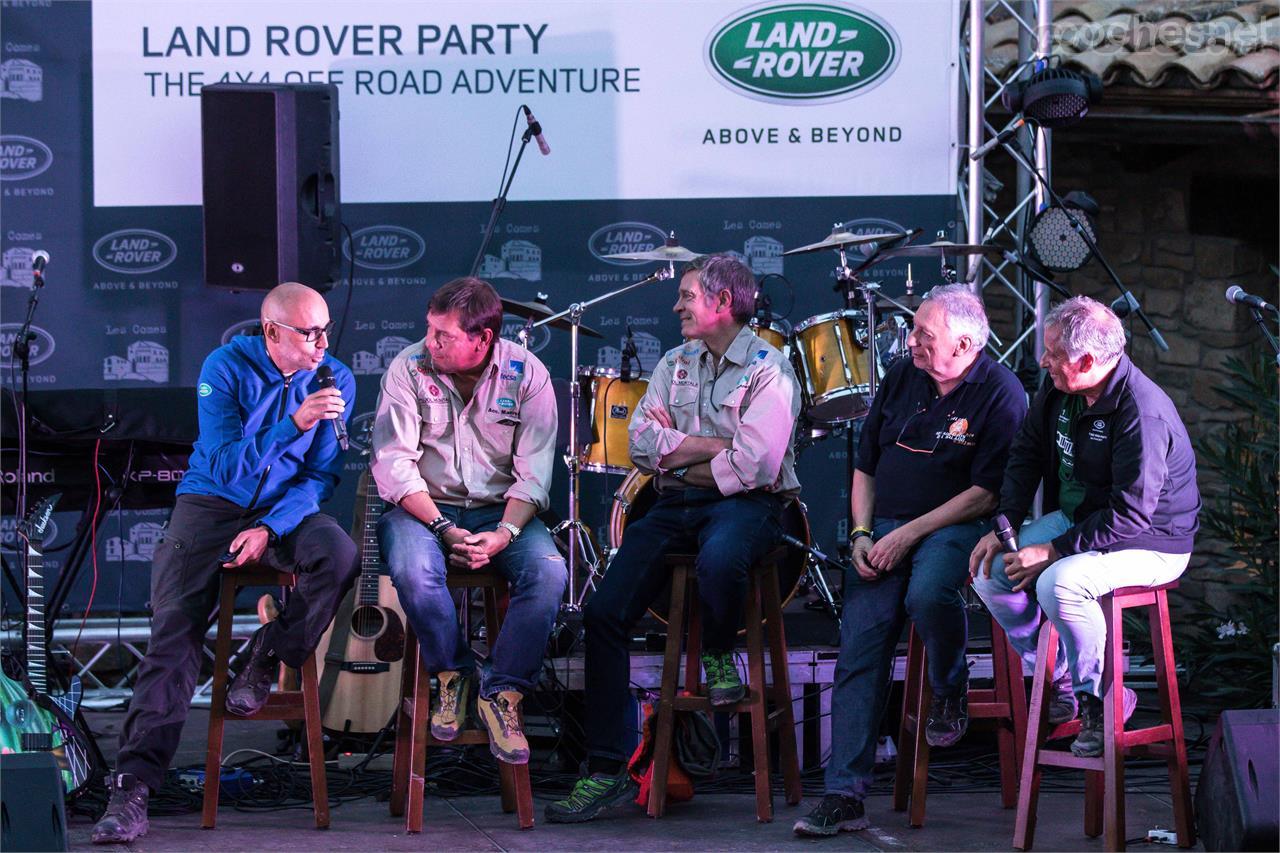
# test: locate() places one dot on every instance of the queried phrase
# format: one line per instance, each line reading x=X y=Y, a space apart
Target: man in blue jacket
x=263 y=463
x=1120 y=499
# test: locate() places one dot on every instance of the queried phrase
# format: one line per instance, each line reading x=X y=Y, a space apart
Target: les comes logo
x=801 y=53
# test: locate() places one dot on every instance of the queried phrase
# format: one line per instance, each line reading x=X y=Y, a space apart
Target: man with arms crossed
x=464 y=443
x=1120 y=499
x=930 y=458
x=715 y=427
x=265 y=460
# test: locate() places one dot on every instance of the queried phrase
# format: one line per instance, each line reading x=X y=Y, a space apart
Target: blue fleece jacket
x=249 y=451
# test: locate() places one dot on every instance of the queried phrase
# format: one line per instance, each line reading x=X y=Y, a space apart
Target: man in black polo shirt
x=1121 y=506
x=930 y=461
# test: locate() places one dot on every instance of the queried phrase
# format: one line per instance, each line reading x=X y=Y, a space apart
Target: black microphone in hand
x=1004 y=532
x=325 y=375
x=535 y=130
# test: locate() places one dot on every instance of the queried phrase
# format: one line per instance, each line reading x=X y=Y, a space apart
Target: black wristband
x=440 y=525
x=272 y=537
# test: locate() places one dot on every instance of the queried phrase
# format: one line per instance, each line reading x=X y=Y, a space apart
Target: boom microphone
x=38 y=260
x=325 y=375
x=1236 y=296
x=1004 y=532
x=536 y=130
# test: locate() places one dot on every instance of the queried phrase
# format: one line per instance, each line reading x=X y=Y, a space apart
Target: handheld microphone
x=38 y=260
x=1236 y=296
x=1004 y=532
x=325 y=375
x=535 y=130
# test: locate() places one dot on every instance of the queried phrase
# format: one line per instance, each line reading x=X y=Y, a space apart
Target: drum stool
x=1104 y=775
x=302 y=704
x=762 y=599
x=1005 y=703
x=413 y=716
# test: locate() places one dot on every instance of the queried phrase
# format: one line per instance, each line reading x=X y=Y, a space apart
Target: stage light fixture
x=1054 y=241
x=1053 y=96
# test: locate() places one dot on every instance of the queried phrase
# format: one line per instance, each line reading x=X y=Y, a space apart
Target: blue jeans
x=532 y=566
x=729 y=533
x=926 y=586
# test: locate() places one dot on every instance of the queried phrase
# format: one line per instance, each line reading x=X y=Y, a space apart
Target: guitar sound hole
x=367 y=622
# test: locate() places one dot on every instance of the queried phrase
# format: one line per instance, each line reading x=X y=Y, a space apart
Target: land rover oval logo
x=385 y=247
x=801 y=52
x=134 y=251
x=538 y=338
x=619 y=237
x=22 y=157
x=41 y=346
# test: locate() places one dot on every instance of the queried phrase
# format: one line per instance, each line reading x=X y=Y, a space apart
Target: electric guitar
x=32 y=720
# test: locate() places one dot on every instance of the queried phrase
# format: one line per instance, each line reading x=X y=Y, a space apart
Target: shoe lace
x=831 y=805
x=449 y=695
x=584 y=790
x=509 y=715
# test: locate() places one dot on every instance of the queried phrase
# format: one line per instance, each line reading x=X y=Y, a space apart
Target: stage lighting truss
x=1055 y=241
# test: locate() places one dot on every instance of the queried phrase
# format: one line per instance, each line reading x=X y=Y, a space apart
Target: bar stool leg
x=905 y=766
x=401 y=755
x=1024 y=827
x=757 y=690
x=788 y=754
x=1113 y=818
x=310 y=685
x=665 y=722
x=417 y=788
x=1009 y=691
x=1171 y=711
x=218 y=702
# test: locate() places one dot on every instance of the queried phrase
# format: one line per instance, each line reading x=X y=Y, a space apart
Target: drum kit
x=837 y=357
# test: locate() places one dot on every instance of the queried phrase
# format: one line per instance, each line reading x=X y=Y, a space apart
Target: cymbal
x=841 y=239
x=663 y=254
x=539 y=311
x=941 y=248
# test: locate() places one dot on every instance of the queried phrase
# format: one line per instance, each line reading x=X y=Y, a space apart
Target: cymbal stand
x=581 y=549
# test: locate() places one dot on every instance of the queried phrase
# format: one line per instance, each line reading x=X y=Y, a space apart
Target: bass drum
x=637 y=495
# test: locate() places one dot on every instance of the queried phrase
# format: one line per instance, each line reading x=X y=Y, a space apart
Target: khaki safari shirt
x=499 y=445
x=752 y=397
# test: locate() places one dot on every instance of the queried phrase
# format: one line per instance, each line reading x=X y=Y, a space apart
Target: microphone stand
x=500 y=203
x=1266 y=331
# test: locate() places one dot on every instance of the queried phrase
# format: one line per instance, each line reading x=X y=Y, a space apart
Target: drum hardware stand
x=581 y=548
x=813 y=574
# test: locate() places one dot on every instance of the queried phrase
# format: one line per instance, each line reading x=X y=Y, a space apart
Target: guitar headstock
x=33 y=527
x=365 y=438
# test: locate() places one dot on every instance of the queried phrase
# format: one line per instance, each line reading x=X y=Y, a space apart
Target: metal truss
x=977 y=190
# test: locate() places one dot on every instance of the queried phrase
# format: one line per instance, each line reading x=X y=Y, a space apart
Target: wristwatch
x=679 y=473
x=273 y=538
x=512 y=529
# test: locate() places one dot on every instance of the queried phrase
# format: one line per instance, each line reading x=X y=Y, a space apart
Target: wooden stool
x=762 y=597
x=413 y=730
x=1104 y=776
x=1005 y=703
x=282 y=704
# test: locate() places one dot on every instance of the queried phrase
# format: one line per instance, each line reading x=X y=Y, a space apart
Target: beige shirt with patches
x=751 y=396
x=499 y=445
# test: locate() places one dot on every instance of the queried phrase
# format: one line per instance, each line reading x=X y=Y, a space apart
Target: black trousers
x=184 y=592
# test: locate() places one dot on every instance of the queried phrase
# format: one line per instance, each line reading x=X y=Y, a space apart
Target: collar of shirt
x=739 y=349
x=507 y=362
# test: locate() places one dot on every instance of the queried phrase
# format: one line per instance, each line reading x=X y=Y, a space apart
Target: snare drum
x=611 y=402
x=834 y=366
x=637 y=495
x=774 y=331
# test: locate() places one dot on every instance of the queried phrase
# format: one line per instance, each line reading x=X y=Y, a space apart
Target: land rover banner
x=649 y=99
x=742 y=128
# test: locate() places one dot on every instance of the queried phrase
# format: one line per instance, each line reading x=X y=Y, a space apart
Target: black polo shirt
x=924 y=449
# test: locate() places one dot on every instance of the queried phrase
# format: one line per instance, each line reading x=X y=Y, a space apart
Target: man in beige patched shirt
x=715 y=426
x=464 y=446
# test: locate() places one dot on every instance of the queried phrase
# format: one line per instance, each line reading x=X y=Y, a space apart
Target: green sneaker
x=590 y=796
x=724 y=687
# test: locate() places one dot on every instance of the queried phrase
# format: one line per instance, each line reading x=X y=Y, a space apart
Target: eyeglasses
x=907 y=445
x=309 y=335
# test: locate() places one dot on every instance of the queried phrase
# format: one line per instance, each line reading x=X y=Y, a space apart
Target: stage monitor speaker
x=1239 y=784
x=271 y=202
x=32 y=814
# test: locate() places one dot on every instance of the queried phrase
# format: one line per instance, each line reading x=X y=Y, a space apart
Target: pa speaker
x=270 y=168
x=32 y=815
x=1239 y=784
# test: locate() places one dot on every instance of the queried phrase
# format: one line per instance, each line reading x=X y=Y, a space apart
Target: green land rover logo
x=802 y=53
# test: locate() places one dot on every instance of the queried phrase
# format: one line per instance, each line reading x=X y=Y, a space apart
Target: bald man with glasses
x=263 y=463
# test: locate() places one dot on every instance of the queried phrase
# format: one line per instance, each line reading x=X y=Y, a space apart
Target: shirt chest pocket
x=436 y=417
x=684 y=395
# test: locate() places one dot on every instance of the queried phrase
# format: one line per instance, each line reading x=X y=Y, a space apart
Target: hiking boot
x=252 y=685
x=724 y=687
x=449 y=710
x=126 y=816
x=501 y=716
x=948 y=718
x=1090 y=742
x=1063 y=706
x=592 y=795
x=835 y=814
